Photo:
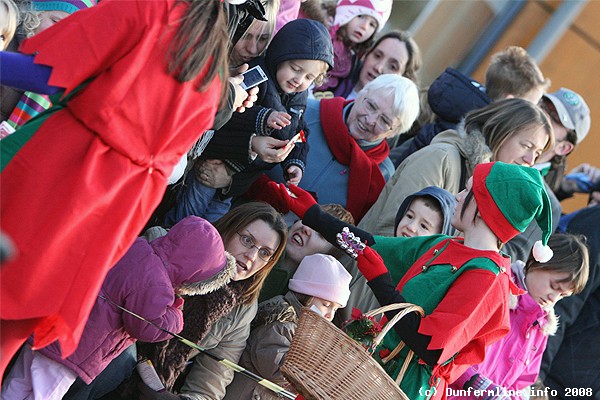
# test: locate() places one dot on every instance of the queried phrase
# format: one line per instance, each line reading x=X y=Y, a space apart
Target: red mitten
x=370 y=264
x=264 y=189
x=178 y=303
x=301 y=201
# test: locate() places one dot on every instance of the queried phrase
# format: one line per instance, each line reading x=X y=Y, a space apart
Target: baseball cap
x=572 y=110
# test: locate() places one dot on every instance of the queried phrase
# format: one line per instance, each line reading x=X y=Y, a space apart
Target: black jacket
x=571 y=358
x=450 y=96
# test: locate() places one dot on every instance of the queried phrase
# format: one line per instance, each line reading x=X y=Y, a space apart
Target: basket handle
x=405 y=307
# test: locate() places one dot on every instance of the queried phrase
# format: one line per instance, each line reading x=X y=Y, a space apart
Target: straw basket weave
x=323 y=363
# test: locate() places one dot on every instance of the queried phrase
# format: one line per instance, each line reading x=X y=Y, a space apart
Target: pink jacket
x=514 y=361
x=288 y=11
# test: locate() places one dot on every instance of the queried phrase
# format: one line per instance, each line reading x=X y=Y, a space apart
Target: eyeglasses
x=383 y=122
x=264 y=253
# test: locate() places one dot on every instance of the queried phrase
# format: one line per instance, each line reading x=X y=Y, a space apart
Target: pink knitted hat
x=348 y=9
x=322 y=276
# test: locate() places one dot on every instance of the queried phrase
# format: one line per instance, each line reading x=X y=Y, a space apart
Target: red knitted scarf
x=365 y=181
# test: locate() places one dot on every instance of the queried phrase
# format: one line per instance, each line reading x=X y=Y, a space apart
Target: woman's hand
x=278 y=120
x=213 y=173
x=294 y=175
x=581 y=179
x=271 y=150
x=370 y=264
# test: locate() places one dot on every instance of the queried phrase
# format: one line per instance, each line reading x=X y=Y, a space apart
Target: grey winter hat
x=572 y=110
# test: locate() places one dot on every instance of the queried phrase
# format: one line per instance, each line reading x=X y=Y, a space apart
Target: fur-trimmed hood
x=471 y=145
x=193 y=255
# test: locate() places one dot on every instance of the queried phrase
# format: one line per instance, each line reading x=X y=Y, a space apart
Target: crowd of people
x=170 y=197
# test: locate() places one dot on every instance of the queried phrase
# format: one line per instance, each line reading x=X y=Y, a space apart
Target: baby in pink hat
x=321 y=283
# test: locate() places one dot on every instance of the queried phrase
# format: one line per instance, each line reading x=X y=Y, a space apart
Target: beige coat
x=438 y=164
x=208 y=378
x=269 y=342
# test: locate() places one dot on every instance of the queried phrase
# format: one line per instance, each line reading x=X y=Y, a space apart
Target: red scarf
x=365 y=181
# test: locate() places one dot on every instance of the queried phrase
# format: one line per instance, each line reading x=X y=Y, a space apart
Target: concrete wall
x=453 y=28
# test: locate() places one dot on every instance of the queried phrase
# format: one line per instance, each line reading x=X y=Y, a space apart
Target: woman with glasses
x=348 y=160
x=255 y=235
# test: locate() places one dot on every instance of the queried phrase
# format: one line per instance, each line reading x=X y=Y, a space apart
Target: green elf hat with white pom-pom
x=508 y=198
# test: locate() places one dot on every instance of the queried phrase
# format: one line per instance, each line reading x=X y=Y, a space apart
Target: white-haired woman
x=348 y=160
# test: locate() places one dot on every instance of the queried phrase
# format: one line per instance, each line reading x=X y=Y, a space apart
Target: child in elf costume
x=513 y=363
x=463 y=284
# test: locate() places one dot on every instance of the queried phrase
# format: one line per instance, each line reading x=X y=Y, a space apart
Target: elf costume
x=91 y=171
x=463 y=291
x=31 y=104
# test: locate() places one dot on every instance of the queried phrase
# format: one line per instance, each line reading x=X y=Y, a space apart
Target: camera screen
x=251 y=77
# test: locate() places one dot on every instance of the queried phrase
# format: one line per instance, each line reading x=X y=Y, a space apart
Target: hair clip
x=349 y=242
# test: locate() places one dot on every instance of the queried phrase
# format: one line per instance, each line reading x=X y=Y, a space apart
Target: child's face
x=326 y=307
x=459 y=222
x=419 y=220
x=49 y=18
x=296 y=76
x=545 y=286
x=361 y=28
x=304 y=241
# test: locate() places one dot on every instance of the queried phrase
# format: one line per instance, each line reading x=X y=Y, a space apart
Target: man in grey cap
x=570 y=116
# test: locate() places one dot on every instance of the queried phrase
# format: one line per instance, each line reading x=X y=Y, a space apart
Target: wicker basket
x=323 y=363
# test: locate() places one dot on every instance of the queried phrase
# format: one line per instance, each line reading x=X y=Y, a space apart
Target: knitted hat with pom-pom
x=348 y=9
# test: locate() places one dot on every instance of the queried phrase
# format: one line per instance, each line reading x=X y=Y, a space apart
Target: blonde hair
x=12 y=18
x=513 y=72
x=271 y=9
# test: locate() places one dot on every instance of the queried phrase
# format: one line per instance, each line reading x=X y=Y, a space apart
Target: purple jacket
x=144 y=281
x=514 y=362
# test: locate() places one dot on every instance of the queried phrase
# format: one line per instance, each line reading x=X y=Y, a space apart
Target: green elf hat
x=509 y=197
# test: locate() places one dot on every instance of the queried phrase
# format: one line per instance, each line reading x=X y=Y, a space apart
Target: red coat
x=79 y=191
